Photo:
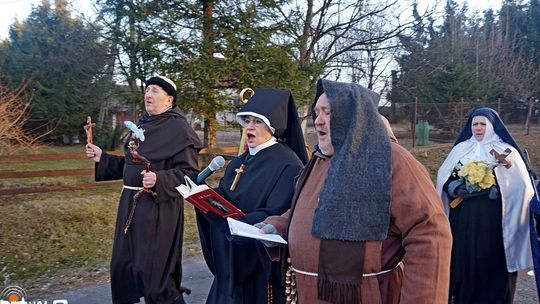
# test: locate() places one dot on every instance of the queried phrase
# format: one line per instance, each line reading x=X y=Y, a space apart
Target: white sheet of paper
x=250 y=231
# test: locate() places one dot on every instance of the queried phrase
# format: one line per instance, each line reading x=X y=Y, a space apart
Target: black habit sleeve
x=109 y=167
x=185 y=163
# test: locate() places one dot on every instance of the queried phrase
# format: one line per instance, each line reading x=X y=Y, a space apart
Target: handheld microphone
x=214 y=165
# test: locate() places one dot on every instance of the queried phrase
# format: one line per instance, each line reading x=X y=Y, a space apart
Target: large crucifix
x=88 y=129
x=501 y=158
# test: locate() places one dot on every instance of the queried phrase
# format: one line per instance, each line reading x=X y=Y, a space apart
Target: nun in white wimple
x=490 y=227
x=261 y=183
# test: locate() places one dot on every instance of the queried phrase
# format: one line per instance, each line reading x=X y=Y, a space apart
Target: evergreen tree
x=210 y=48
x=475 y=58
x=64 y=59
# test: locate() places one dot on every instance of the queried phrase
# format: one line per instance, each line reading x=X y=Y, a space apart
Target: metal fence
x=447 y=119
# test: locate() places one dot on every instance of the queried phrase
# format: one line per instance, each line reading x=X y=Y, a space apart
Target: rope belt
x=140 y=192
x=372 y=274
x=132 y=188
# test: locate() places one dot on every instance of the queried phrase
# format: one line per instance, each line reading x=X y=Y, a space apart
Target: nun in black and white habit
x=490 y=228
x=261 y=183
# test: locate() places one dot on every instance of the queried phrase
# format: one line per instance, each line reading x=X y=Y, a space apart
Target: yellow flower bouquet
x=478 y=175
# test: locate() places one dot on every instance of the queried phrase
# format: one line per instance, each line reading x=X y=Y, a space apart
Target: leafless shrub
x=13 y=116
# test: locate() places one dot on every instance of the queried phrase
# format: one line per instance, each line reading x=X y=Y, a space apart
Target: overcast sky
x=20 y=9
x=11 y=9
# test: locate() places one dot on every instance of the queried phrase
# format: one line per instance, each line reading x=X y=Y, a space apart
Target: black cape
x=241 y=266
x=146 y=262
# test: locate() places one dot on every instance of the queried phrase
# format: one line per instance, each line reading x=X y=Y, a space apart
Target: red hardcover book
x=207 y=199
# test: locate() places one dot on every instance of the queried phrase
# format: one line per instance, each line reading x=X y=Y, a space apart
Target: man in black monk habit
x=147 y=250
x=260 y=182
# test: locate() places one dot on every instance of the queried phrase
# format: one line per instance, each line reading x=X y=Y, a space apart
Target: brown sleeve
x=417 y=212
x=280 y=222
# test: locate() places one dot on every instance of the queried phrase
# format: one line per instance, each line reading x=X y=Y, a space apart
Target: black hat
x=277 y=109
x=165 y=83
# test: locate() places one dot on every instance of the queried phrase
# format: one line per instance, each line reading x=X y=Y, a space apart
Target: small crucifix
x=88 y=129
x=501 y=158
x=237 y=177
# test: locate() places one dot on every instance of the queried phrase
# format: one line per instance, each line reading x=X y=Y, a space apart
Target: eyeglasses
x=255 y=121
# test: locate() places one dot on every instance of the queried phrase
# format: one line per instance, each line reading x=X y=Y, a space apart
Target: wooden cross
x=88 y=129
x=237 y=177
x=501 y=158
x=455 y=202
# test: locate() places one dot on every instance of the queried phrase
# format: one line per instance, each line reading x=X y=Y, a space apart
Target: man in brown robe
x=147 y=251
x=366 y=224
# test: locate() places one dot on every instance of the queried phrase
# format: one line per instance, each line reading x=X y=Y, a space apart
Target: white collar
x=272 y=141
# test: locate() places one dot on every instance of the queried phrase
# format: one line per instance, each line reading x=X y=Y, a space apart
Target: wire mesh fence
x=444 y=120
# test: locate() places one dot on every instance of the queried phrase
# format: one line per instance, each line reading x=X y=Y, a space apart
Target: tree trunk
x=210 y=129
x=305 y=50
x=304 y=112
x=210 y=124
x=105 y=94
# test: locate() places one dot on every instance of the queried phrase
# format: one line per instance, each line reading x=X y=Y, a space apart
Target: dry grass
x=54 y=240
x=46 y=235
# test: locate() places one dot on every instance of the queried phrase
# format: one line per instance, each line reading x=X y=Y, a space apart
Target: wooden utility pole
x=529 y=115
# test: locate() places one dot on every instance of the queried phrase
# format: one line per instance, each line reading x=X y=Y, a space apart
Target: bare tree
x=514 y=72
x=13 y=116
x=328 y=29
x=342 y=37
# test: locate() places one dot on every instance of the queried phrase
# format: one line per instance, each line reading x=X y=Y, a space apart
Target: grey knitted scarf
x=354 y=204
